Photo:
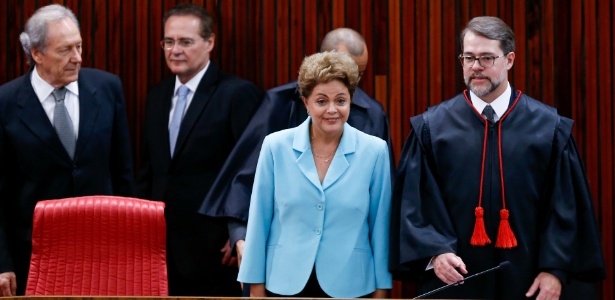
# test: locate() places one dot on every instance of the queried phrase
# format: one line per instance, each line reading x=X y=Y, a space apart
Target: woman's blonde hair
x=325 y=67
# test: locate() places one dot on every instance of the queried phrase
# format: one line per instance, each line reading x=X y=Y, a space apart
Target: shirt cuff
x=430 y=264
x=561 y=275
x=236 y=231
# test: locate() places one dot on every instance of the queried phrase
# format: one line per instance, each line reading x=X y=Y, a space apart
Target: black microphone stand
x=502 y=265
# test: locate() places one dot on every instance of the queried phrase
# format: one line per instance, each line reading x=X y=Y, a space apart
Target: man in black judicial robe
x=282 y=108
x=452 y=147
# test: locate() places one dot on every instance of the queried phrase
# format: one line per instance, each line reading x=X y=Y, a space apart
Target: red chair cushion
x=98 y=245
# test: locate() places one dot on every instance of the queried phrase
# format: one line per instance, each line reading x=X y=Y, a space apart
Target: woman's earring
x=308 y=111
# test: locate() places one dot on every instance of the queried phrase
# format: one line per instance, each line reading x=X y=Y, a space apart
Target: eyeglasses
x=167 y=44
x=467 y=61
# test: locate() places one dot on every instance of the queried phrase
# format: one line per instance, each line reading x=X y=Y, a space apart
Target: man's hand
x=549 y=285
x=227 y=258
x=239 y=249
x=8 y=284
x=446 y=265
x=257 y=290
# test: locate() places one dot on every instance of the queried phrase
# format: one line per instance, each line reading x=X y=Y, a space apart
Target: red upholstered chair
x=98 y=246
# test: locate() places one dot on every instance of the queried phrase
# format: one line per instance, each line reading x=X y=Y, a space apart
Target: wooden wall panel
x=564 y=57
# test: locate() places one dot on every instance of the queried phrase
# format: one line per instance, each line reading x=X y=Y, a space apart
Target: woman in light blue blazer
x=320 y=208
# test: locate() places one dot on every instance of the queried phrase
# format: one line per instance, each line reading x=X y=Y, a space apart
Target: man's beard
x=481 y=91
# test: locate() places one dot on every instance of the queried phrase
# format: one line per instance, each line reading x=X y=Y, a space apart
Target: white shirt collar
x=44 y=89
x=500 y=104
x=193 y=83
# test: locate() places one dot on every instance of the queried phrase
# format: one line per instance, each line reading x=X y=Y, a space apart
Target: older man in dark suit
x=192 y=122
x=63 y=133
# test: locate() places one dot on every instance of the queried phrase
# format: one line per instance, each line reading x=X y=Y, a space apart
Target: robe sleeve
x=570 y=239
x=230 y=193
x=421 y=226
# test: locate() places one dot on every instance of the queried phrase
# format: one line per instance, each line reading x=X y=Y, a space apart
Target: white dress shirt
x=500 y=104
x=192 y=84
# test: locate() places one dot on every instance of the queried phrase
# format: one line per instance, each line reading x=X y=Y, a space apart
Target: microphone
x=502 y=265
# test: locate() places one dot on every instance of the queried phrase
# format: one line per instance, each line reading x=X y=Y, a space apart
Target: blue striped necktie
x=178 y=115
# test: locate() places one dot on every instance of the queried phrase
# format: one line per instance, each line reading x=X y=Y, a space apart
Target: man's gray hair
x=35 y=34
x=352 y=40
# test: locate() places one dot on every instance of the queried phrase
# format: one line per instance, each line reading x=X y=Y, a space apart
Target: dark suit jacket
x=217 y=116
x=281 y=108
x=35 y=166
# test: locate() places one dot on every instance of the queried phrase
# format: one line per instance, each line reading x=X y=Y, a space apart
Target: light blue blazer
x=340 y=226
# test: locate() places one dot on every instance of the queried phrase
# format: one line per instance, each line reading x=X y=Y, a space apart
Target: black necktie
x=489 y=113
x=63 y=123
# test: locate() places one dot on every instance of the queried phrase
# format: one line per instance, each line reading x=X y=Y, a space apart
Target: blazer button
x=318 y=232
x=319 y=206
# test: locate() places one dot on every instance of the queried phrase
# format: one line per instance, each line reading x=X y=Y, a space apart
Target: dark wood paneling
x=564 y=57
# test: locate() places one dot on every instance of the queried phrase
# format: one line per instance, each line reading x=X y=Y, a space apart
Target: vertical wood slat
x=408 y=63
x=434 y=57
x=311 y=41
x=353 y=16
x=395 y=63
x=141 y=57
x=367 y=81
x=87 y=29
x=422 y=63
x=4 y=55
x=226 y=33
x=605 y=98
x=450 y=64
x=268 y=40
x=591 y=107
x=114 y=53
x=253 y=44
x=240 y=37
x=99 y=35
x=547 y=56
x=154 y=33
x=338 y=13
x=282 y=57
x=297 y=28
x=534 y=39
x=519 y=70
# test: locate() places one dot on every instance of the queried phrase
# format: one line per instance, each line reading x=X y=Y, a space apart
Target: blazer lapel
x=201 y=98
x=89 y=105
x=305 y=161
x=339 y=164
x=33 y=116
x=162 y=113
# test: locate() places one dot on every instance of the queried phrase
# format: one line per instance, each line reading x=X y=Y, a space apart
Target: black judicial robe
x=281 y=108
x=547 y=194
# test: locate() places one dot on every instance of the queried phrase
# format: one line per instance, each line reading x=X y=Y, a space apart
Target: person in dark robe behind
x=488 y=176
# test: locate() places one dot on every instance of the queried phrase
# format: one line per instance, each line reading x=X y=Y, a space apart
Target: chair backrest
x=98 y=246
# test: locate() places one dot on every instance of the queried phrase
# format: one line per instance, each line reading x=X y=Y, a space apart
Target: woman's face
x=329 y=106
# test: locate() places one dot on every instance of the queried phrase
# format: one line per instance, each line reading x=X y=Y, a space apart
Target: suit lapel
x=301 y=143
x=33 y=116
x=201 y=98
x=159 y=121
x=89 y=105
x=339 y=164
